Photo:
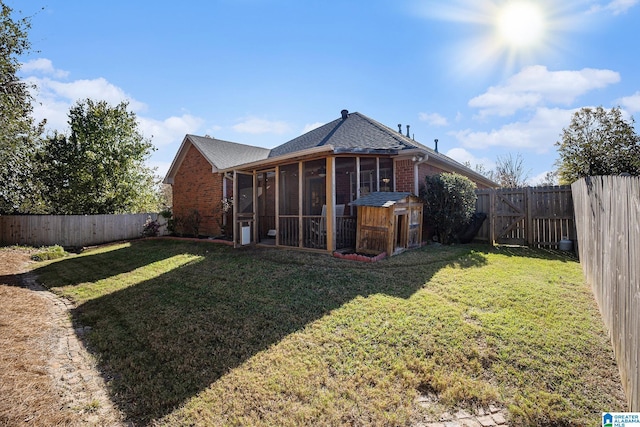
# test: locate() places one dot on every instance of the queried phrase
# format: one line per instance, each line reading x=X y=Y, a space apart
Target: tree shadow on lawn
x=112 y=260
x=162 y=341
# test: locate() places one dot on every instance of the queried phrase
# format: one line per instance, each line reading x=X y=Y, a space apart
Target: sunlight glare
x=506 y=34
x=520 y=24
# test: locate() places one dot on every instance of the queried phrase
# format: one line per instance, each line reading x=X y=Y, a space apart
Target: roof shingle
x=225 y=154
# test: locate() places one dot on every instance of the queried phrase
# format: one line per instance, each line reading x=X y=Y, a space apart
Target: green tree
x=598 y=142
x=449 y=203
x=19 y=136
x=99 y=168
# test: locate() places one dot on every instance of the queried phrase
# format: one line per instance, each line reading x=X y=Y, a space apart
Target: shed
x=388 y=222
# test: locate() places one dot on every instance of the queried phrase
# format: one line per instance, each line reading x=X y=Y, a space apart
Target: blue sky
x=484 y=80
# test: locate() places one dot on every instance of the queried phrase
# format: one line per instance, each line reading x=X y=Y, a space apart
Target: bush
x=52 y=252
x=151 y=228
x=191 y=223
x=449 y=202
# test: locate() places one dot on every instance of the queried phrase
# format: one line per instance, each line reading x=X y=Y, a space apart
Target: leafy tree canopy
x=598 y=142
x=99 y=167
x=19 y=137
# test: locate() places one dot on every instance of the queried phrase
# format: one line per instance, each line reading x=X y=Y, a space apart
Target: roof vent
x=408 y=126
x=345 y=114
x=436 y=141
x=399 y=128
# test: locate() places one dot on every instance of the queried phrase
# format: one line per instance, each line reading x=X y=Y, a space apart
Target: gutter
x=278 y=159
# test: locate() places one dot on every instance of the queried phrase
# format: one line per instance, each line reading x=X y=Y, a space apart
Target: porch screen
x=289 y=189
x=368 y=175
x=245 y=193
x=346 y=183
x=386 y=174
x=288 y=205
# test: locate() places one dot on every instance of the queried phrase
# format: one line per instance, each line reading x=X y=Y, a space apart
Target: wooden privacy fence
x=534 y=216
x=71 y=230
x=608 y=225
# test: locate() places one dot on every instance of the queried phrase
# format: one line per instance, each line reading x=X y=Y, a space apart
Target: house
x=300 y=193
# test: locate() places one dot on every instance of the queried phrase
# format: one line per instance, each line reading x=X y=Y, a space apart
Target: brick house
x=299 y=194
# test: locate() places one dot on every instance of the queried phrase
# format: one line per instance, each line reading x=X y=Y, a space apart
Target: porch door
x=266 y=209
x=244 y=220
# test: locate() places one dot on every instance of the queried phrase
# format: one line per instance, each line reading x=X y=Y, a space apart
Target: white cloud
x=538 y=179
x=616 y=7
x=631 y=103
x=168 y=131
x=43 y=66
x=536 y=86
x=433 y=119
x=311 y=126
x=254 y=125
x=538 y=134
x=161 y=167
x=98 y=89
x=461 y=155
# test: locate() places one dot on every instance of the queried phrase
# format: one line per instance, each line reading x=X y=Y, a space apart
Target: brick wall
x=404 y=176
x=195 y=187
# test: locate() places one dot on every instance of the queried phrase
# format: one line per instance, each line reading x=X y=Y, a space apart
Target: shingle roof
x=380 y=199
x=357 y=133
x=225 y=154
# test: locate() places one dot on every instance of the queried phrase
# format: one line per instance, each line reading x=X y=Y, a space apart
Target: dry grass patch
x=29 y=397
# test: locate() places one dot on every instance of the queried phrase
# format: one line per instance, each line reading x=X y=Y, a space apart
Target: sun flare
x=520 y=24
x=507 y=34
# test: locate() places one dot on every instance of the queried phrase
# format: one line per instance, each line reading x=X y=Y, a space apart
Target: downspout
x=417 y=161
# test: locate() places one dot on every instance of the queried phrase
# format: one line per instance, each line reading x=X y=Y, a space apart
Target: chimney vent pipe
x=345 y=114
x=436 y=141
x=408 y=131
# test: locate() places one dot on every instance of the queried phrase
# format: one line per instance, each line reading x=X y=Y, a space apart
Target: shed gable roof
x=382 y=199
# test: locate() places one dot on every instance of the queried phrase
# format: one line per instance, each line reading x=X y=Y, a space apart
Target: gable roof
x=352 y=133
x=225 y=154
x=220 y=154
x=355 y=133
x=381 y=199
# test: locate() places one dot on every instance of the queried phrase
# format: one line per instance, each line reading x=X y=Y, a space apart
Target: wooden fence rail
x=534 y=216
x=608 y=225
x=71 y=230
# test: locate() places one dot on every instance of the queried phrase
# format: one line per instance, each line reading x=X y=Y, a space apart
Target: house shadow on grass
x=164 y=340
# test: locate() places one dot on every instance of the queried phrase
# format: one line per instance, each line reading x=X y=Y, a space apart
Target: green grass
x=192 y=333
x=50 y=252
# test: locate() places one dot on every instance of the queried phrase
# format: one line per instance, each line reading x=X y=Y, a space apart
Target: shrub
x=151 y=228
x=52 y=252
x=191 y=223
x=449 y=202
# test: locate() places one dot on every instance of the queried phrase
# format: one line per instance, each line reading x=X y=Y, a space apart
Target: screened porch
x=306 y=204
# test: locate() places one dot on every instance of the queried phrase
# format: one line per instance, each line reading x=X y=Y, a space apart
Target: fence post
x=492 y=217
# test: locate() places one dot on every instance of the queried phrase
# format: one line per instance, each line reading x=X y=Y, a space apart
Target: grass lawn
x=193 y=333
